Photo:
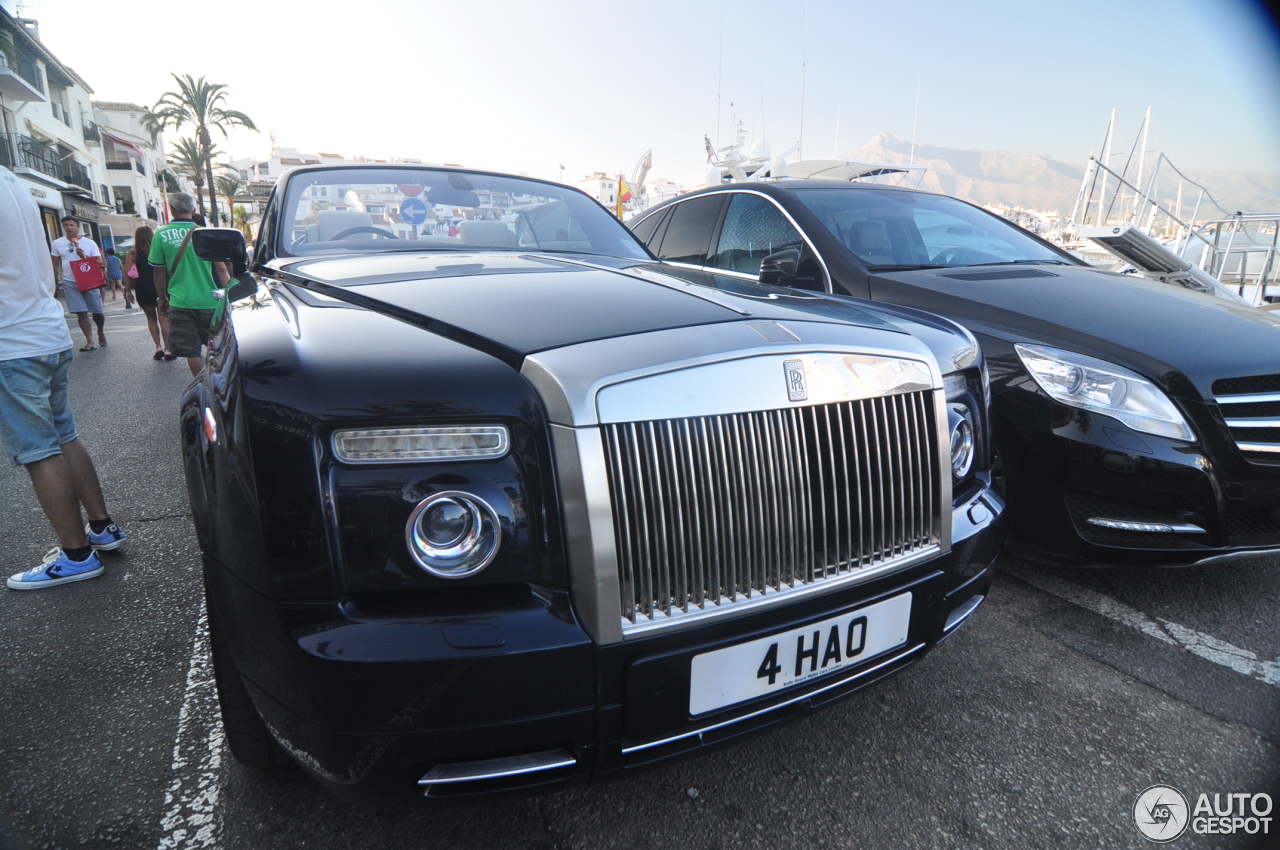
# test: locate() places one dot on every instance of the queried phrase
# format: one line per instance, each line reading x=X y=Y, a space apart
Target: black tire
x=247 y=736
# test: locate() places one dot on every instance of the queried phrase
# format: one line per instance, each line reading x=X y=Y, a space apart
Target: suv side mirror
x=780 y=266
x=220 y=244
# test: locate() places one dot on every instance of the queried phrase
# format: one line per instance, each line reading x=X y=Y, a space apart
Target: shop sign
x=81 y=210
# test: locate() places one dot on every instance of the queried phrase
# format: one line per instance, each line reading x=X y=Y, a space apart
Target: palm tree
x=153 y=123
x=200 y=104
x=241 y=217
x=188 y=159
x=228 y=186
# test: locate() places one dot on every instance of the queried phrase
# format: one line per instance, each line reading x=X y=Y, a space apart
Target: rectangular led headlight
x=415 y=445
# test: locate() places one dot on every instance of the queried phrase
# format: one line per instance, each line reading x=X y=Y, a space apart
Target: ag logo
x=1160 y=813
x=794 y=371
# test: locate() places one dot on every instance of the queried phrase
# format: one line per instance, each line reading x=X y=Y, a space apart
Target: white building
x=600 y=186
x=48 y=137
x=259 y=176
x=662 y=190
x=134 y=166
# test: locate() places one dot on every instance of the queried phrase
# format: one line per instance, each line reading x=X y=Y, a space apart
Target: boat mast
x=719 y=73
x=804 y=52
x=1106 y=155
x=915 y=113
x=1134 y=216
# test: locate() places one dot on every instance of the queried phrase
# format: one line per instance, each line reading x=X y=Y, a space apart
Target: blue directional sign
x=413 y=211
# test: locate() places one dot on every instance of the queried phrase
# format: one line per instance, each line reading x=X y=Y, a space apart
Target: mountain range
x=1038 y=182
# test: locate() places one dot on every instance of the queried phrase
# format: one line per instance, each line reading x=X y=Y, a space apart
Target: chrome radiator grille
x=711 y=511
x=1251 y=407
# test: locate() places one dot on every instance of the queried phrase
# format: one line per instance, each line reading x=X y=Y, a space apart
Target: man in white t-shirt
x=65 y=251
x=36 y=425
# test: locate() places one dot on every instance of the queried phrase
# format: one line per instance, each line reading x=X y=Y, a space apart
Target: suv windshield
x=889 y=229
x=336 y=211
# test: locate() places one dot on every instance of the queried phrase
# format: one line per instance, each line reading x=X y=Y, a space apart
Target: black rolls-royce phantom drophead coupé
x=488 y=499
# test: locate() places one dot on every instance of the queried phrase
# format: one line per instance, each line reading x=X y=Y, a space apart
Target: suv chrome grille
x=717 y=510
x=1251 y=407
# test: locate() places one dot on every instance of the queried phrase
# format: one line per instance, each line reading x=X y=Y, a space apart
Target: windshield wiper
x=904 y=268
x=1019 y=263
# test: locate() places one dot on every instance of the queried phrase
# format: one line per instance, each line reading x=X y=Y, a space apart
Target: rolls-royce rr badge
x=794 y=370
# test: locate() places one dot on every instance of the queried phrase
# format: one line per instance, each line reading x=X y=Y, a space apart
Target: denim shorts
x=82 y=302
x=35 y=419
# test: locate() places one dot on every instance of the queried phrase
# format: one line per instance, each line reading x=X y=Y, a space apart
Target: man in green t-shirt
x=185 y=284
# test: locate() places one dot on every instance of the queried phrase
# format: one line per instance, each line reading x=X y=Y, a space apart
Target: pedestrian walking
x=115 y=279
x=36 y=424
x=184 y=282
x=65 y=251
x=139 y=273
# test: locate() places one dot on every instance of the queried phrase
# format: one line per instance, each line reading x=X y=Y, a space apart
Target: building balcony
x=20 y=78
x=126 y=165
x=26 y=152
x=76 y=174
x=37 y=157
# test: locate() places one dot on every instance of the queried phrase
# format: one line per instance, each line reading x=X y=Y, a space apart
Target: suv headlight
x=1092 y=384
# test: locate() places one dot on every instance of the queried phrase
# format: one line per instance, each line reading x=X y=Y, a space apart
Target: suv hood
x=1151 y=326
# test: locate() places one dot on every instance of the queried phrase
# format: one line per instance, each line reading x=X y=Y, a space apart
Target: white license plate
x=770 y=664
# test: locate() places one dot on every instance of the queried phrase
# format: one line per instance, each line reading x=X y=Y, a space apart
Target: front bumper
x=1069 y=468
x=371 y=696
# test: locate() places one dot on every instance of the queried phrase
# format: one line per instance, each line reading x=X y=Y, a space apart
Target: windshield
x=392 y=209
x=889 y=229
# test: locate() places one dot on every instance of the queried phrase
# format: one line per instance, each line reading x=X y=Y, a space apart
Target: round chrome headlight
x=453 y=534
x=961 y=440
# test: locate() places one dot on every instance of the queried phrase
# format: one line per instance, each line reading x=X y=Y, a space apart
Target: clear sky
x=524 y=86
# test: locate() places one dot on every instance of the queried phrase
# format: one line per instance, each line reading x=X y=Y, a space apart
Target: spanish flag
x=624 y=194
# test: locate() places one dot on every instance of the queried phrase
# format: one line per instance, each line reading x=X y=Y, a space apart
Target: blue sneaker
x=57 y=569
x=111 y=537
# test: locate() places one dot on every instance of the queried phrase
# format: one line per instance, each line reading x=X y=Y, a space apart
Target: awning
x=130 y=146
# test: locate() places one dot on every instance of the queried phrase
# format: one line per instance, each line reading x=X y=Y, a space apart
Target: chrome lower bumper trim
x=1229 y=557
x=1258 y=447
x=801 y=698
x=479 y=771
x=962 y=613
x=1151 y=527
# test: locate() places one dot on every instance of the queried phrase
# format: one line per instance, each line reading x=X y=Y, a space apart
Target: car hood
x=1151 y=326
x=525 y=303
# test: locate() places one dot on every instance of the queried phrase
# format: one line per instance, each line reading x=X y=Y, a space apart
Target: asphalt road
x=1037 y=725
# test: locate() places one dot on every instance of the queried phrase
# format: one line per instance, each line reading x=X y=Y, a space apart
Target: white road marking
x=1197 y=643
x=192 y=818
